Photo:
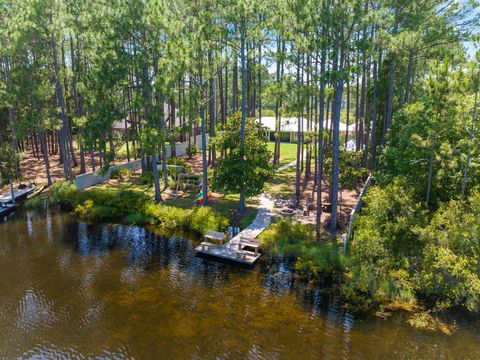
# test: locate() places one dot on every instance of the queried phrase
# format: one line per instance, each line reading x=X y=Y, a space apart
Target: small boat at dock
x=36 y=192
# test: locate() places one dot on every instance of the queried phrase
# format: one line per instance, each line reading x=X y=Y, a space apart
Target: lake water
x=73 y=290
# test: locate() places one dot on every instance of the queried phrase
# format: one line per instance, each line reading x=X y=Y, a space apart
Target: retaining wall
x=97 y=177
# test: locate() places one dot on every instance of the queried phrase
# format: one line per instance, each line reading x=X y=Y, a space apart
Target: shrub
x=167 y=216
x=64 y=193
x=146 y=178
x=299 y=241
x=192 y=150
x=203 y=219
x=180 y=162
x=134 y=207
x=385 y=248
x=35 y=202
x=121 y=174
x=135 y=218
x=199 y=220
x=450 y=279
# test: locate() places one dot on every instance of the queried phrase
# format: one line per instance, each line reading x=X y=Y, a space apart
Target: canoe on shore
x=36 y=192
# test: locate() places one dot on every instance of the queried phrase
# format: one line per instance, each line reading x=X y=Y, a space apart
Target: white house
x=289 y=127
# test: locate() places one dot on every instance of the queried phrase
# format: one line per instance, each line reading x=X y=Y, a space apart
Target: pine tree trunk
x=43 y=145
x=373 y=142
x=337 y=105
x=241 y=206
x=64 y=132
x=320 y=146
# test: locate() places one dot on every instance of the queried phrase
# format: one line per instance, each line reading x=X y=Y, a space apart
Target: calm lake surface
x=73 y=290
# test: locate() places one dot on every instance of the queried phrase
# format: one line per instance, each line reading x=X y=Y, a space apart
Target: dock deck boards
x=227 y=253
x=233 y=249
x=17 y=193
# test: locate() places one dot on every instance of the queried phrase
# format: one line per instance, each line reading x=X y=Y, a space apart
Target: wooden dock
x=242 y=248
x=225 y=253
x=235 y=250
x=17 y=193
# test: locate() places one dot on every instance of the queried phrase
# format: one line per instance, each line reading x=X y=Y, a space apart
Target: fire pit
x=287 y=212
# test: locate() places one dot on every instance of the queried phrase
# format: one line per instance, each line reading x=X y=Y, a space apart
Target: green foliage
x=7 y=162
x=35 y=202
x=431 y=134
x=299 y=241
x=204 y=218
x=450 y=279
x=199 y=220
x=135 y=218
x=180 y=162
x=451 y=272
x=121 y=174
x=400 y=255
x=385 y=246
x=167 y=216
x=134 y=207
x=352 y=173
x=146 y=178
x=192 y=150
x=236 y=171
x=173 y=173
x=64 y=193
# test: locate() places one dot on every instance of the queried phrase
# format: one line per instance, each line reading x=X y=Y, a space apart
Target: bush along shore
x=400 y=259
x=133 y=207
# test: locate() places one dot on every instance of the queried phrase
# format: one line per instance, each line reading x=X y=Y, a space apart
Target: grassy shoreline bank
x=134 y=207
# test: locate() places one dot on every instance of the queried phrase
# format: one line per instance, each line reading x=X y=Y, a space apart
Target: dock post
x=12 y=192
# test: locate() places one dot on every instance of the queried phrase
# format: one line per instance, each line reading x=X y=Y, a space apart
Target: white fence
x=97 y=177
x=355 y=211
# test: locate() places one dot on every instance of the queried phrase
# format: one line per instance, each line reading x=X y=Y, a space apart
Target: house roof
x=289 y=124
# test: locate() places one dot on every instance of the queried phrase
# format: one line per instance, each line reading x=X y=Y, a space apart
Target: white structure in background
x=289 y=127
x=351 y=145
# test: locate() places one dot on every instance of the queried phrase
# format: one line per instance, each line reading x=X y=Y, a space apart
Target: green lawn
x=226 y=204
x=288 y=151
x=282 y=184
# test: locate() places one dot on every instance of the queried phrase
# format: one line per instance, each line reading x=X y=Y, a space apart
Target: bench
x=206 y=245
x=246 y=242
x=215 y=235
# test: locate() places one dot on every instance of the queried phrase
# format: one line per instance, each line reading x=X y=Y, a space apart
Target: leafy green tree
x=249 y=176
x=7 y=163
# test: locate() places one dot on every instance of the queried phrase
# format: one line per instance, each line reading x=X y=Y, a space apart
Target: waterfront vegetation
x=133 y=206
x=313 y=257
x=87 y=85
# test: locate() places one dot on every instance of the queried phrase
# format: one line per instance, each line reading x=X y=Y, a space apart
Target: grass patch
x=288 y=152
x=282 y=183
